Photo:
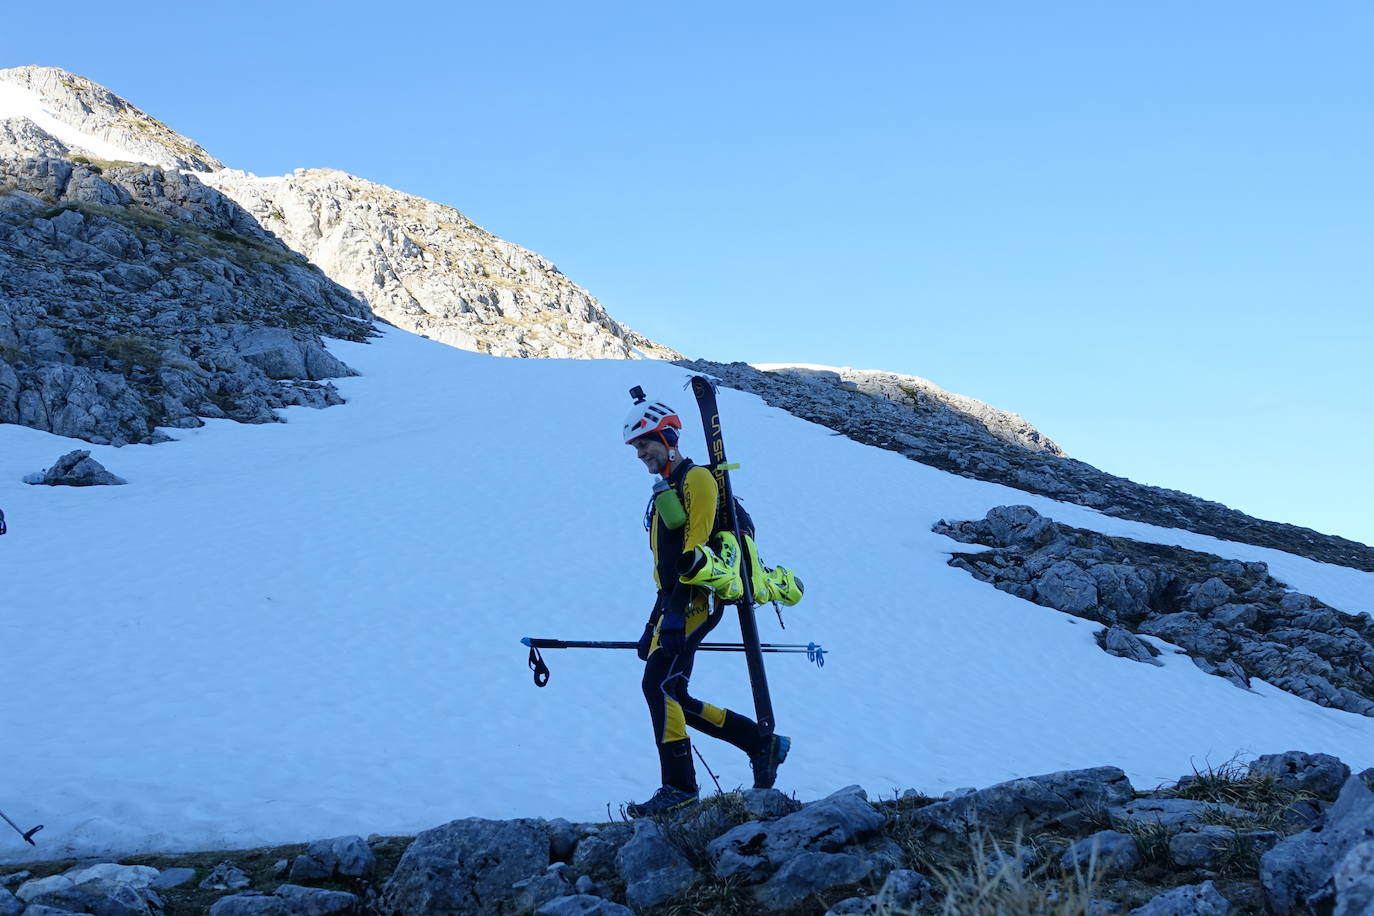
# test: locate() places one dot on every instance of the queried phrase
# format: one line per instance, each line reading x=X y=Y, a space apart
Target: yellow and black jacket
x=696 y=488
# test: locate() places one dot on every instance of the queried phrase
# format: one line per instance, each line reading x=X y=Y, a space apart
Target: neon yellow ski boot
x=777 y=584
x=784 y=586
x=718 y=572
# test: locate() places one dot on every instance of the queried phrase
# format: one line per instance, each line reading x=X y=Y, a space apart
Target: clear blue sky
x=1148 y=228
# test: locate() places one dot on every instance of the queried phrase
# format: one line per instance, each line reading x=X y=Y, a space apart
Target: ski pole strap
x=3 y=529
x=815 y=653
x=541 y=670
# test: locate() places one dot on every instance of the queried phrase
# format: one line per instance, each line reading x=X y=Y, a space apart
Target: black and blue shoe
x=665 y=800
x=766 y=762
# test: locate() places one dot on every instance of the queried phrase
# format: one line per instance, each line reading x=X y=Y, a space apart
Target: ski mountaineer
x=681 y=519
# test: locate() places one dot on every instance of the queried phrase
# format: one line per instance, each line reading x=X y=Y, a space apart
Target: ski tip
x=525 y=641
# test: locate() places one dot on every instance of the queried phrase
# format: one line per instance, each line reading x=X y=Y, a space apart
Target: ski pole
x=814 y=653
x=28 y=837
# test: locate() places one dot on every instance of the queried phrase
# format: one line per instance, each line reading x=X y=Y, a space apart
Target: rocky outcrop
x=955 y=434
x=133 y=297
x=76 y=469
x=1085 y=840
x=1233 y=619
x=103 y=125
x=419 y=265
x=427 y=268
x=926 y=399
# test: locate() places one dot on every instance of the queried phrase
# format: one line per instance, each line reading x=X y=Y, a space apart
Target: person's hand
x=642 y=650
x=672 y=633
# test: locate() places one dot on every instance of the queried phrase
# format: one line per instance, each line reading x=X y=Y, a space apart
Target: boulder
x=1168 y=812
x=534 y=892
x=1030 y=805
x=225 y=877
x=76 y=469
x=1104 y=851
x=466 y=866
x=316 y=901
x=755 y=849
x=595 y=854
x=1123 y=643
x=340 y=857
x=1300 y=869
x=1067 y=587
x=809 y=873
x=1319 y=775
x=905 y=890
x=1354 y=881
x=652 y=868
x=766 y=804
x=106 y=889
x=1210 y=594
x=1190 y=900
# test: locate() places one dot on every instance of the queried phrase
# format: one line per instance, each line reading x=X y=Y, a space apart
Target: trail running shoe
x=665 y=799
x=766 y=762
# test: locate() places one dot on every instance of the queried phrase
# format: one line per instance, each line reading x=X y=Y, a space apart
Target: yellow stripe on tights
x=674 y=722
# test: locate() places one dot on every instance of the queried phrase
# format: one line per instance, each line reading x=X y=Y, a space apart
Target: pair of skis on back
x=704 y=390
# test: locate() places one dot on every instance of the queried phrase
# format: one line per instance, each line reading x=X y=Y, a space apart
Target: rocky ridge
x=133 y=297
x=890 y=412
x=104 y=118
x=1233 y=619
x=1289 y=833
x=426 y=268
x=419 y=265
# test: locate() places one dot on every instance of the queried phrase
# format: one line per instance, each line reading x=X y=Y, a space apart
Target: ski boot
x=720 y=573
x=777 y=584
x=766 y=762
x=666 y=799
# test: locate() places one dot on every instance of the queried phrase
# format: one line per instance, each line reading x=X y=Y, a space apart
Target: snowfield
x=301 y=630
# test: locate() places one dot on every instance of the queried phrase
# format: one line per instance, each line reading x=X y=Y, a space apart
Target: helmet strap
x=672 y=455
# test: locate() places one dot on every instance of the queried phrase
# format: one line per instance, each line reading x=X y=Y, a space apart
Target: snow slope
x=20 y=102
x=285 y=632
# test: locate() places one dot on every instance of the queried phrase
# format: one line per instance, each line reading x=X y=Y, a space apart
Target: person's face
x=651 y=451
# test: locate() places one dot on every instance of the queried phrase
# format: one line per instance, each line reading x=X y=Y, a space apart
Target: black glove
x=642 y=650
x=672 y=633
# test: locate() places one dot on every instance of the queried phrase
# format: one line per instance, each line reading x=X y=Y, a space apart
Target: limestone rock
x=1321 y=775
x=1354 y=881
x=1123 y=643
x=652 y=868
x=76 y=469
x=1191 y=900
x=466 y=866
x=1104 y=851
x=1300 y=869
x=534 y=892
x=428 y=269
x=755 y=849
x=340 y=857
x=225 y=877
x=1029 y=805
x=808 y=873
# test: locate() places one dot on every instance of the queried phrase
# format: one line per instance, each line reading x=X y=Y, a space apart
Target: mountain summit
x=419 y=265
